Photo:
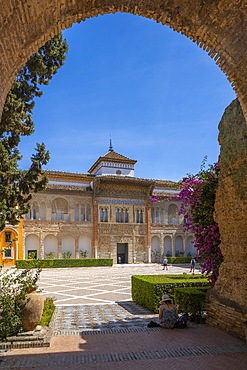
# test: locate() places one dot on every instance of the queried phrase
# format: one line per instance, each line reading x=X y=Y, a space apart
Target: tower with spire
x=111 y=147
x=113 y=163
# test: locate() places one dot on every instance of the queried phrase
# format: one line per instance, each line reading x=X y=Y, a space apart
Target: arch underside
x=218 y=26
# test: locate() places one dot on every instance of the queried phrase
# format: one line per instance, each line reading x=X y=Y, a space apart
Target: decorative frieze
x=121 y=201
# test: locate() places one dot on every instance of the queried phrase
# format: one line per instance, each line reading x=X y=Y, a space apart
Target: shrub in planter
x=67 y=255
x=14 y=287
x=50 y=256
x=83 y=254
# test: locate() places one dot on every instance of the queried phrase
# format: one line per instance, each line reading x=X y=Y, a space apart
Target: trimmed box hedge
x=147 y=290
x=191 y=300
x=72 y=262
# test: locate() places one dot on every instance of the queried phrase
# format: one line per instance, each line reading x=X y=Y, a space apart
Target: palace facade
x=106 y=213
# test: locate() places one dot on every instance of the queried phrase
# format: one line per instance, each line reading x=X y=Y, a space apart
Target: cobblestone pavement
x=97 y=326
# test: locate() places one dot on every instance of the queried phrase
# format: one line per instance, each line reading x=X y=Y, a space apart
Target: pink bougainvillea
x=197 y=198
x=197 y=205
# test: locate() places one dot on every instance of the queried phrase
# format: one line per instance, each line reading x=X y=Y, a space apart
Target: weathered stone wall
x=228 y=300
x=219 y=27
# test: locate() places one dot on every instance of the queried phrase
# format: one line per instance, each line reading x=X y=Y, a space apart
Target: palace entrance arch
x=219 y=27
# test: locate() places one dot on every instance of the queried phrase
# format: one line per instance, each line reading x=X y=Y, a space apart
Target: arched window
x=60 y=210
x=103 y=214
x=28 y=215
x=35 y=211
x=139 y=216
x=173 y=214
x=122 y=215
x=157 y=215
x=83 y=213
x=88 y=216
x=42 y=211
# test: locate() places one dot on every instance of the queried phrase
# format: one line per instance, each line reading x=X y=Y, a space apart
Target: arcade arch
x=68 y=246
x=155 y=249
x=168 y=246
x=85 y=245
x=179 y=250
x=50 y=245
x=32 y=245
x=190 y=249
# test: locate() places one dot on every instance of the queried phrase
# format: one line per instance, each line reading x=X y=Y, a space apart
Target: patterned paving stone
x=74 y=319
x=96 y=285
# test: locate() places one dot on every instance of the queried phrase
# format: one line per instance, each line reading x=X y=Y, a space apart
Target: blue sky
x=153 y=91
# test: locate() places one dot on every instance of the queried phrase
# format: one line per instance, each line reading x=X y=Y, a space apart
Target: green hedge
x=191 y=300
x=178 y=260
x=147 y=290
x=49 y=308
x=77 y=262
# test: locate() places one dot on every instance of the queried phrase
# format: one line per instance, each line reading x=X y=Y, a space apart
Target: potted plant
x=20 y=304
x=33 y=304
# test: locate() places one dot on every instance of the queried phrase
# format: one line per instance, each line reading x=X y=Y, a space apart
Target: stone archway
x=214 y=25
x=219 y=27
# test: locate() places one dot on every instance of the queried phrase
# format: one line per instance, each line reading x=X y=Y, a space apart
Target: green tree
x=16 y=121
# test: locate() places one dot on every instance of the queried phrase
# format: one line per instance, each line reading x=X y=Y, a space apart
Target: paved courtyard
x=98 y=298
x=97 y=326
x=96 y=285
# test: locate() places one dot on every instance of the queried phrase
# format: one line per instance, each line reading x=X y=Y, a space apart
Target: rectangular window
x=7 y=237
x=8 y=253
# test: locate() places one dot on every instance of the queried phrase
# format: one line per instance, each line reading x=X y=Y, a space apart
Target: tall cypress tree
x=16 y=185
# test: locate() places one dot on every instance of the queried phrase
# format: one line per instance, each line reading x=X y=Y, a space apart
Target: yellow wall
x=21 y=253
x=15 y=233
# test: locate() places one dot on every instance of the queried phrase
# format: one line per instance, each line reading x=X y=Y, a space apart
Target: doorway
x=122 y=253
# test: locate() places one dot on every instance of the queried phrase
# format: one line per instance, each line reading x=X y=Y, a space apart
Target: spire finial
x=110 y=147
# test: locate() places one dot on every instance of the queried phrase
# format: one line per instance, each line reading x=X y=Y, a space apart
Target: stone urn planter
x=32 y=310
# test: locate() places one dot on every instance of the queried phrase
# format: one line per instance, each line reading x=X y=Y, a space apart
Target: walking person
x=192 y=265
x=165 y=263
